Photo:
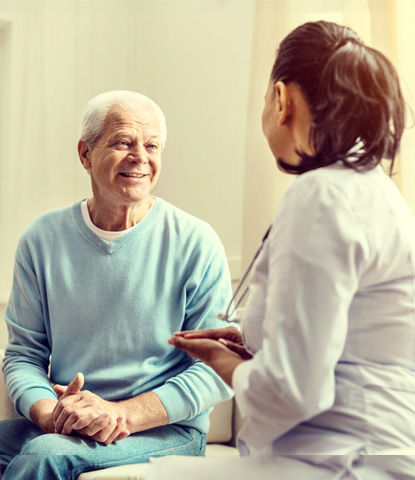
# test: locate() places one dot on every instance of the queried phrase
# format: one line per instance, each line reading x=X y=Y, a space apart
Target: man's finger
x=59 y=389
x=74 y=387
x=119 y=433
x=121 y=436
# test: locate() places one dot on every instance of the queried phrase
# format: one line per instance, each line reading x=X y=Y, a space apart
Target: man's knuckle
x=101 y=437
x=75 y=415
x=100 y=422
x=67 y=410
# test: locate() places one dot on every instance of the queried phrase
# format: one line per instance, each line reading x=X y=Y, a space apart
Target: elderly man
x=99 y=287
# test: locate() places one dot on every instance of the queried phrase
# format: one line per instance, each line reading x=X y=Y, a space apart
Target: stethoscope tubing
x=226 y=317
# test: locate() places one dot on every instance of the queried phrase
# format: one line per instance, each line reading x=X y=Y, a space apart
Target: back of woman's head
x=352 y=91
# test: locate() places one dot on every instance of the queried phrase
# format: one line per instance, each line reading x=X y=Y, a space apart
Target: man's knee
x=51 y=444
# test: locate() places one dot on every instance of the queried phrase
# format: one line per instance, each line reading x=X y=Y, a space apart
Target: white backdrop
x=206 y=62
x=191 y=57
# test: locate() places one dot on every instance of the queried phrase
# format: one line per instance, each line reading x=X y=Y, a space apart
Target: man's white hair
x=97 y=109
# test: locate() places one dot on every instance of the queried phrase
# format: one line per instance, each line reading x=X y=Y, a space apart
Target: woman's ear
x=283 y=102
x=84 y=154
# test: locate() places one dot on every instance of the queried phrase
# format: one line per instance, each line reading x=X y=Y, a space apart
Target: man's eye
x=152 y=146
x=121 y=143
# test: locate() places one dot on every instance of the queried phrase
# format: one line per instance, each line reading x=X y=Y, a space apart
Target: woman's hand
x=230 y=333
x=220 y=348
x=229 y=336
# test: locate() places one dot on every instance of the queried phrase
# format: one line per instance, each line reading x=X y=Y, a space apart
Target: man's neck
x=118 y=218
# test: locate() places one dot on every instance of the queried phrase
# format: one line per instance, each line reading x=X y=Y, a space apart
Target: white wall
x=3 y=328
x=192 y=57
x=206 y=62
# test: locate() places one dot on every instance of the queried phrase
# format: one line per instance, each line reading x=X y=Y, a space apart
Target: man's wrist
x=41 y=414
x=144 y=412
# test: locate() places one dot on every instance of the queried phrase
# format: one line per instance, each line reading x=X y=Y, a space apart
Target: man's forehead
x=119 y=118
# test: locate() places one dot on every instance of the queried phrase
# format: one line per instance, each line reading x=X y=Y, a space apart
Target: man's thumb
x=59 y=389
x=74 y=387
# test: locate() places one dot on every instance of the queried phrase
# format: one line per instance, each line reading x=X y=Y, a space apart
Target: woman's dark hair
x=353 y=94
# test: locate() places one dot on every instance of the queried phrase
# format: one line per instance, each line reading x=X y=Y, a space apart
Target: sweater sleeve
x=313 y=259
x=27 y=355
x=198 y=388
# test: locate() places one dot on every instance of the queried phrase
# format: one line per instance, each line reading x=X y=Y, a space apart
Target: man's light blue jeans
x=27 y=453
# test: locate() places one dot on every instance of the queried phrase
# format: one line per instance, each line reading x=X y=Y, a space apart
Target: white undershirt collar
x=104 y=234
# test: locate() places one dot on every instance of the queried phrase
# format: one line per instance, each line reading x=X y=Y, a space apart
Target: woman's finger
x=231 y=333
x=237 y=348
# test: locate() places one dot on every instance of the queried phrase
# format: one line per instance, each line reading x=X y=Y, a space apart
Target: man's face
x=125 y=163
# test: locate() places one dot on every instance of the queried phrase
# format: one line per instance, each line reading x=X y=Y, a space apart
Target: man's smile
x=133 y=175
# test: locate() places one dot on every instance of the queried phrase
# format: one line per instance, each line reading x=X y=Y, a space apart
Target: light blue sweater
x=107 y=310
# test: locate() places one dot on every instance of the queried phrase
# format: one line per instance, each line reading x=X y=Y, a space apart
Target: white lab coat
x=331 y=321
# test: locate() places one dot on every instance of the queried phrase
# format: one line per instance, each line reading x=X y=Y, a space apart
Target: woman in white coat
x=324 y=370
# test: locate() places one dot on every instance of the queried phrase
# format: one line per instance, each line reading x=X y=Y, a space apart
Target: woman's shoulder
x=335 y=174
x=335 y=194
x=308 y=187
x=341 y=182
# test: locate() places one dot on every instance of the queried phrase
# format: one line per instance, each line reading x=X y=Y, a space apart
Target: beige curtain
x=383 y=24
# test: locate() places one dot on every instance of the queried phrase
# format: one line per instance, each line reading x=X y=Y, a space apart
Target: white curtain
x=190 y=56
x=404 y=21
x=207 y=62
x=384 y=24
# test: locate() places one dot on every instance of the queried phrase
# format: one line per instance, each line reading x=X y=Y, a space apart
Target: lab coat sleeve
x=311 y=266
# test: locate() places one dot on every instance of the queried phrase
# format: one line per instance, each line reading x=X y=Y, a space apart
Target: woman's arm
x=220 y=354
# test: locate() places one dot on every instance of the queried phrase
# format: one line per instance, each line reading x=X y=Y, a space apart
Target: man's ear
x=84 y=154
x=284 y=103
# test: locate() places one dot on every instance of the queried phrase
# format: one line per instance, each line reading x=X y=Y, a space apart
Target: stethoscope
x=226 y=316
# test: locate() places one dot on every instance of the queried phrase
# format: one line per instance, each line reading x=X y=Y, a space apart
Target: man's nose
x=137 y=153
